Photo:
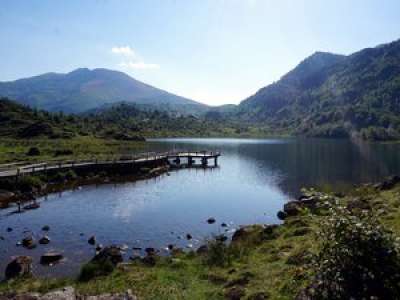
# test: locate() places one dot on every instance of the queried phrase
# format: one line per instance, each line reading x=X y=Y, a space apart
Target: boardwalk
x=176 y=157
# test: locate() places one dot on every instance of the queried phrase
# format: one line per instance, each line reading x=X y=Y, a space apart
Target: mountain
x=333 y=95
x=85 y=89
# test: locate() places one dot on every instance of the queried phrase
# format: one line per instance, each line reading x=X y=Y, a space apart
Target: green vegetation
x=330 y=95
x=328 y=243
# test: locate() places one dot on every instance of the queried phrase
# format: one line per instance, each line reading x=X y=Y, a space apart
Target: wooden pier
x=175 y=158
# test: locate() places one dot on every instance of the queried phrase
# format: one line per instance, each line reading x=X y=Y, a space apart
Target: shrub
x=33 y=151
x=358 y=258
x=95 y=269
x=28 y=183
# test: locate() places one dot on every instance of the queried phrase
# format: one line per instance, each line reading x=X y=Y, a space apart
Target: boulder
x=109 y=254
x=28 y=242
x=44 y=240
x=20 y=266
x=51 y=258
x=281 y=215
x=92 y=240
x=210 y=220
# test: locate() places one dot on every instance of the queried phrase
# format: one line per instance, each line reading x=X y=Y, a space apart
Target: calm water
x=254 y=179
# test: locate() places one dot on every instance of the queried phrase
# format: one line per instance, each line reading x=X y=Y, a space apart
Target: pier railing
x=20 y=168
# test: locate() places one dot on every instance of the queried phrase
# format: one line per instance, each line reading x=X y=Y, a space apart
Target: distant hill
x=85 y=89
x=331 y=95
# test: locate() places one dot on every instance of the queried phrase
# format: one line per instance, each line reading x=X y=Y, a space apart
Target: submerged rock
x=51 y=258
x=32 y=206
x=28 y=242
x=44 y=240
x=46 y=228
x=211 y=221
x=110 y=254
x=92 y=240
x=20 y=266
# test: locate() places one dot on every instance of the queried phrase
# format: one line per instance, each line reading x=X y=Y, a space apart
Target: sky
x=212 y=51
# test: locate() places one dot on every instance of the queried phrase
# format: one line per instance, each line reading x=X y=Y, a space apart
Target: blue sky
x=213 y=51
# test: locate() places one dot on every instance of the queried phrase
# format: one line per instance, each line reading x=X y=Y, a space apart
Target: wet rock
x=5 y=197
x=51 y=257
x=9 y=229
x=235 y=293
x=92 y=240
x=211 y=221
x=224 y=225
x=109 y=254
x=28 y=242
x=150 y=250
x=388 y=184
x=20 y=266
x=46 y=228
x=188 y=236
x=31 y=206
x=44 y=240
x=281 y=215
x=170 y=247
x=2 y=238
x=221 y=238
x=292 y=208
x=99 y=247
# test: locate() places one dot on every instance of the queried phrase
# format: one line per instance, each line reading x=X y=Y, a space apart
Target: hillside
x=332 y=95
x=85 y=89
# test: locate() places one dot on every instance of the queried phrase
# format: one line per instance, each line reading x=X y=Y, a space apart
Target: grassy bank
x=14 y=150
x=262 y=262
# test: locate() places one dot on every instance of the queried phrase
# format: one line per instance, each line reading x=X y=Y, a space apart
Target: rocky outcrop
x=18 y=267
x=69 y=293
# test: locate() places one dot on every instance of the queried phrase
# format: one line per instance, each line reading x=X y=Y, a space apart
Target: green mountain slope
x=85 y=89
x=334 y=96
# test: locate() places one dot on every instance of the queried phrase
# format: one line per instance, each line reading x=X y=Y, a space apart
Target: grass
x=14 y=150
x=275 y=265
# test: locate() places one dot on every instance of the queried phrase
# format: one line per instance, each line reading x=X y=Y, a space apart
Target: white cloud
x=125 y=51
x=138 y=65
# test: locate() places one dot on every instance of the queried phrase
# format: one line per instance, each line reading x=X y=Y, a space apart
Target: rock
x=2 y=238
x=111 y=253
x=224 y=225
x=221 y=238
x=150 y=250
x=211 y=221
x=20 y=266
x=128 y=295
x=241 y=234
x=281 y=215
x=51 y=258
x=44 y=240
x=46 y=228
x=92 y=240
x=34 y=205
x=235 y=293
x=149 y=260
x=9 y=229
x=99 y=247
x=67 y=293
x=6 y=197
x=188 y=236
x=292 y=208
x=170 y=247
x=28 y=242
x=123 y=247
x=389 y=183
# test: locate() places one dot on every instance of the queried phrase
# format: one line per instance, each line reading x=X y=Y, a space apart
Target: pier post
x=204 y=161
x=216 y=161
x=190 y=160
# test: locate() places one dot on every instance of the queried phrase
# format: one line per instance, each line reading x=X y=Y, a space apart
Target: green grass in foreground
x=275 y=265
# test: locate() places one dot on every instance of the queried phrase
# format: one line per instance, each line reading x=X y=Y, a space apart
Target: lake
x=253 y=181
